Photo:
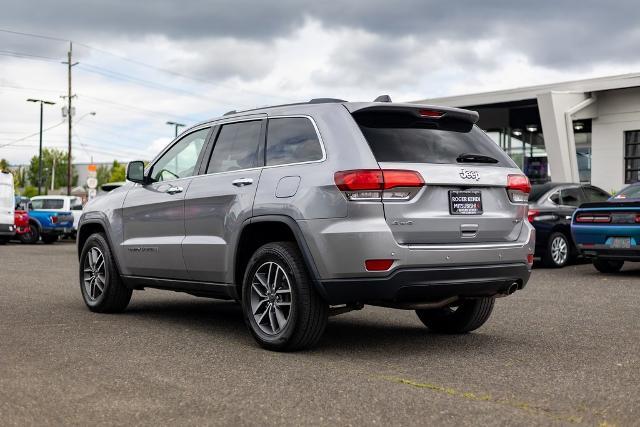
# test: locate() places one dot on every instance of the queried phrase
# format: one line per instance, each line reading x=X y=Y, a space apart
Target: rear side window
x=236 y=147
x=76 y=204
x=396 y=137
x=572 y=196
x=292 y=140
x=47 y=204
x=595 y=194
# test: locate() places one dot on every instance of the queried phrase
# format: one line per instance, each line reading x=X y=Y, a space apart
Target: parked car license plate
x=621 y=242
x=465 y=202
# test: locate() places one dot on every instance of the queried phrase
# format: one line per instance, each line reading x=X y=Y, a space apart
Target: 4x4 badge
x=467 y=174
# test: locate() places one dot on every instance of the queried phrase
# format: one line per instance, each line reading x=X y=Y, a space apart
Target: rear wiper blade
x=475 y=158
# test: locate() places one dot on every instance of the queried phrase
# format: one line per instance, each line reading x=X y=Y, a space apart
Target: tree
x=118 y=172
x=103 y=174
x=4 y=165
x=51 y=159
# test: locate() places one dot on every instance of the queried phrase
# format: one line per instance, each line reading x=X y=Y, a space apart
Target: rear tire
x=281 y=307
x=32 y=236
x=558 y=252
x=607 y=266
x=106 y=293
x=466 y=317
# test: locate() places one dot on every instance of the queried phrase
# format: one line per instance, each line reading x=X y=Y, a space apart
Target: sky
x=141 y=64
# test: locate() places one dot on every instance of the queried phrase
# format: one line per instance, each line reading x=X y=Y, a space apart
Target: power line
x=40 y=36
x=31 y=135
x=28 y=56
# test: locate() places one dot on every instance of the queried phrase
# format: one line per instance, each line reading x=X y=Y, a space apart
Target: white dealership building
x=579 y=131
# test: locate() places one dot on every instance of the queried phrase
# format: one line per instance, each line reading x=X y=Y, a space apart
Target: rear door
x=465 y=199
x=221 y=199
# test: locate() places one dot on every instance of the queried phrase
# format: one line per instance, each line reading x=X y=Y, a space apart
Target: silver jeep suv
x=308 y=210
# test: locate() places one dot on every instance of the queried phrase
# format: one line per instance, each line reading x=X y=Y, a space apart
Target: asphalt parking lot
x=564 y=351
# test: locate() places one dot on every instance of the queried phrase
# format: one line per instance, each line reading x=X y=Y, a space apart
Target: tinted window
x=76 y=204
x=395 y=138
x=181 y=159
x=236 y=147
x=555 y=198
x=595 y=194
x=571 y=196
x=292 y=140
x=47 y=204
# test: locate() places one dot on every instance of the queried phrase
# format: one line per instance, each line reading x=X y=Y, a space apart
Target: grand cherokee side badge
x=468 y=174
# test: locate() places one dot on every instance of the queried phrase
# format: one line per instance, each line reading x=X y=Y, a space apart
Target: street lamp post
x=177 y=125
x=42 y=102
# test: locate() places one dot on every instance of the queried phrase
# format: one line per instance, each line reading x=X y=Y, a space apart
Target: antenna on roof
x=383 y=98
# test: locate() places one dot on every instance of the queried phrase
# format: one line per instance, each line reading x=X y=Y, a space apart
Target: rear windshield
x=47 y=204
x=393 y=139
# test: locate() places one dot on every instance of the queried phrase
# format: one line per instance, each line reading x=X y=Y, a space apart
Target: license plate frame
x=461 y=201
x=620 y=242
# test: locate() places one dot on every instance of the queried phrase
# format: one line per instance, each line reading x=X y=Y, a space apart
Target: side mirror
x=135 y=172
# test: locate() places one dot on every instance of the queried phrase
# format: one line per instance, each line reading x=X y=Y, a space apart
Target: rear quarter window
x=292 y=140
x=394 y=138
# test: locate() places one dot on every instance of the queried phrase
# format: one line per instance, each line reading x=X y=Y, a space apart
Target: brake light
x=375 y=184
x=595 y=218
x=518 y=187
x=432 y=114
x=54 y=219
x=532 y=214
x=378 y=264
x=530 y=259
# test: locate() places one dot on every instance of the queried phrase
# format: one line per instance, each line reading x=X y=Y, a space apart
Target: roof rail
x=228 y=113
x=325 y=100
x=383 y=98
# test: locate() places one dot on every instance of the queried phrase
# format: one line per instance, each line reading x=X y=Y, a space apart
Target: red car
x=21 y=221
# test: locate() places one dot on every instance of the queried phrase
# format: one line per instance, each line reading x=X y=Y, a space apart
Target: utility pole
x=53 y=174
x=69 y=115
x=42 y=102
x=177 y=125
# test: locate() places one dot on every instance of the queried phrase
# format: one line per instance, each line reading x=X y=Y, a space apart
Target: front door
x=219 y=201
x=154 y=213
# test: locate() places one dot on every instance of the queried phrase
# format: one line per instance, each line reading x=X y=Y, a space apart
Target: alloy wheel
x=271 y=298
x=94 y=273
x=559 y=250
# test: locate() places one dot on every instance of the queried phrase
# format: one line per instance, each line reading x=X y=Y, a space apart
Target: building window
x=631 y=156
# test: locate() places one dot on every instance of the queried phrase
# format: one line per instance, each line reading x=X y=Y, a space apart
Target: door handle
x=174 y=190
x=241 y=182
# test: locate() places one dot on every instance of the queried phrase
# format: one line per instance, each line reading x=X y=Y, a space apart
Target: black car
x=551 y=206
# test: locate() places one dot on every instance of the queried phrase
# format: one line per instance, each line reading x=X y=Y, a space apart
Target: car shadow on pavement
x=351 y=333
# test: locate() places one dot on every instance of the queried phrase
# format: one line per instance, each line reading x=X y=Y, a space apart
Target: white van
x=7 y=206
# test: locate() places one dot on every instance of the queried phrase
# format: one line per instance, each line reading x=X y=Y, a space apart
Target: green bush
x=30 y=191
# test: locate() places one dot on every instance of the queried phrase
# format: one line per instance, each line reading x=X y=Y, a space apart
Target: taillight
x=54 y=219
x=532 y=214
x=594 y=218
x=432 y=114
x=518 y=187
x=377 y=184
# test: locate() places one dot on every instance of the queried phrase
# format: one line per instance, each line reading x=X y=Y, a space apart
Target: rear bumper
x=605 y=251
x=427 y=284
x=7 y=230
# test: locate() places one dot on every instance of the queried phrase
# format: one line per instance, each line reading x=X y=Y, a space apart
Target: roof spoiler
x=429 y=112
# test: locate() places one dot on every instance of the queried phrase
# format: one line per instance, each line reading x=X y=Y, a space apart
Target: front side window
x=76 y=204
x=47 y=204
x=595 y=194
x=236 y=147
x=292 y=140
x=181 y=159
x=631 y=156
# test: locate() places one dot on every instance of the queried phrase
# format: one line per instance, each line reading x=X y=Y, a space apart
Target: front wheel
x=31 y=236
x=100 y=283
x=467 y=316
x=280 y=305
x=607 y=266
